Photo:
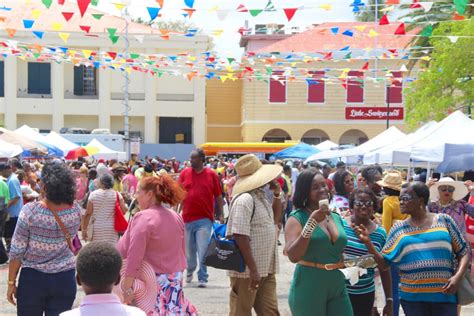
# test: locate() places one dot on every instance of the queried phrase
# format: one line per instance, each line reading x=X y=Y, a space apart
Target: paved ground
x=212 y=301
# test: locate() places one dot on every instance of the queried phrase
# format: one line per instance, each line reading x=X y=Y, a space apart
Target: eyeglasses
x=406 y=198
x=449 y=189
x=363 y=203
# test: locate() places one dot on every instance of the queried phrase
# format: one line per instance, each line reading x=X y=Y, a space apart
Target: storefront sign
x=373 y=113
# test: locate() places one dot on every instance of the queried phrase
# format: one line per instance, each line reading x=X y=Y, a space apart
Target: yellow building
x=340 y=101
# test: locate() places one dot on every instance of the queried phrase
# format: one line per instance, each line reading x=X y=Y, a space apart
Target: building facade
x=49 y=95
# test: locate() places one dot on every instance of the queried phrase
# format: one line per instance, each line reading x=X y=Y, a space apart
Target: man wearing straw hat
x=252 y=225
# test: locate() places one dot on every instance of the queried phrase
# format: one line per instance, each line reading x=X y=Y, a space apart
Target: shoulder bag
x=120 y=222
x=74 y=244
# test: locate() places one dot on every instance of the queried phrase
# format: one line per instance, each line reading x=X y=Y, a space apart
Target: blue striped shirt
x=356 y=248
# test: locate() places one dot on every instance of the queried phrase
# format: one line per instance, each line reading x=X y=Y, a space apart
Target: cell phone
x=324 y=202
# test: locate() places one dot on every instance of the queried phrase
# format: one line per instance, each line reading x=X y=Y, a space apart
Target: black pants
x=3 y=251
x=429 y=308
x=9 y=230
x=362 y=304
x=48 y=293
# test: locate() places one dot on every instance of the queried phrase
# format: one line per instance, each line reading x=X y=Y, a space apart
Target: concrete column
x=104 y=96
x=57 y=89
x=151 y=132
x=199 y=122
x=11 y=89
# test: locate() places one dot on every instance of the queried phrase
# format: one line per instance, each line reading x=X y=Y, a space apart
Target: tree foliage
x=445 y=84
x=367 y=12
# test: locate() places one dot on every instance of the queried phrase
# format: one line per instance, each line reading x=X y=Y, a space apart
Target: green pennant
x=114 y=38
x=160 y=73
x=94 y=2
x=269 y=70
x=97 y=16
x=36 y=55
x=427 y=31
x=112 y=31
x=134 y=56
x=265 y=80
x=461 y=6
x=47 y=3
x=150 y=62
x=230 y=60
x=255 y=12
x=348 y=56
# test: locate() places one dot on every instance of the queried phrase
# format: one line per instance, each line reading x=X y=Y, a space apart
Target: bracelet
x=11 y=282
x=276 y=196
x=309 y=228
x=389 y=299
x=129 y=291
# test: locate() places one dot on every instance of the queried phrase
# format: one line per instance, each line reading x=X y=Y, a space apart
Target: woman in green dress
x=315 y=241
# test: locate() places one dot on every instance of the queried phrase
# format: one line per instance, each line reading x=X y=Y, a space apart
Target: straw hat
x=392 y=180
x=252 y=174
x=119 y=167
x=460 y=190
x=145 y=287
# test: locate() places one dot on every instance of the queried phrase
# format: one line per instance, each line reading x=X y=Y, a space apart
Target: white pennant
x=140 y=38
x=453 y=39
x=403 y=68
x=426 y=5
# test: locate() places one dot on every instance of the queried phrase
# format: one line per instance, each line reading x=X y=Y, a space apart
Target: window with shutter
x=85 y=79
x=316 y=87
x=355 y=87
x=394 y=90
x=277 y=87
x=2 y=79
x=39 y=78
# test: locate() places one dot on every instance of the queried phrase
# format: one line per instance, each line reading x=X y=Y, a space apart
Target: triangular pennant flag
x=327 y=7
x=85 y=28
x=345 y=48
x=270 y=7
x=365 y=67
x=372 y=33
x=111 y=31
x=67 y=15
x=453 y=39
x=87 y=53
x=28 y=24
x=241 y=8
x=389 y=2
x=57 y=26
x=427 y=31
x=47 y=3
x=153 y=12
x=426 y=5
x=97 y=16
x=36 y=14
x=335 y=30
x=415 y=5
x=114 y=39
x=348 y=33
x=189 y=12
x=112 y=54
x=83 y=5
x=400 y=29
x=403 y=68
x=119 y=6
x=255 y=12
x=11 y=32
x=457 y=17
x=189 y=3
x=38 y=34
x=461 y=6
x=384 y=20
x=61 y=2
x=290 y=12
x=64 y=37
x=360 y=28
x=95 y=3
x=160 y=3
x=165 y=37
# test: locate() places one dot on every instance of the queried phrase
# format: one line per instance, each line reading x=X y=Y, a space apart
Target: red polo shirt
x=202 y=189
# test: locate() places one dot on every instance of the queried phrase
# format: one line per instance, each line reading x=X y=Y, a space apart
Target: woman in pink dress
x=156 y=236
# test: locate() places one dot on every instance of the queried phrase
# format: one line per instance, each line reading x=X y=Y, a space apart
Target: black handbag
x=223 y=253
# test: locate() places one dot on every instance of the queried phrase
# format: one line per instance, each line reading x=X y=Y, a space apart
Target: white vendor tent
x=33 y=135
x=386 y=137
x=61 y=142
x=391 y=153
x=8 y=150
x=326 y=145
x=457 y=128
x=105 y=152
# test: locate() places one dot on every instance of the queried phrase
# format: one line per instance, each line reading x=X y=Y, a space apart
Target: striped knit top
x=40 y=243
x=356 y=248
x=425 y=258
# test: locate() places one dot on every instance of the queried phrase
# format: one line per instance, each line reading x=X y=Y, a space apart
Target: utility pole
x=125 y=89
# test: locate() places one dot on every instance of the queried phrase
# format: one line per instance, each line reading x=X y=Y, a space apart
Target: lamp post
x=126 y=86
x=388 y=106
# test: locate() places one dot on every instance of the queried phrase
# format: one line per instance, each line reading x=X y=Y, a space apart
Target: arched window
x=276 y=136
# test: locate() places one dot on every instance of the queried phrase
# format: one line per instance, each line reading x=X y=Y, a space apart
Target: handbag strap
x=66 y=233
x=232 y=204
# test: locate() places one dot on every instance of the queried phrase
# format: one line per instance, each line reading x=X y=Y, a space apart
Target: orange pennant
x=457 y=17
x=189 y=12
x=160 y=3
x=3 y=19
x=11 y=32
x=165 y=37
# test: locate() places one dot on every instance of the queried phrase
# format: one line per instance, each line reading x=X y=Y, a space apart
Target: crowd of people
x=396 y=242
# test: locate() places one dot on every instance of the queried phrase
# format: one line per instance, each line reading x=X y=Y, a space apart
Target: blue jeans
x=429 y=309
x=198 y=234
x=395 y=289
x=51 y=293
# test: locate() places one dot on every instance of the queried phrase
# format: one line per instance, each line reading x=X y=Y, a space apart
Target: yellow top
x=391 y=212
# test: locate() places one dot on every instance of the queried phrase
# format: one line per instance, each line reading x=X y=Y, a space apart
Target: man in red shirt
x=203 y=191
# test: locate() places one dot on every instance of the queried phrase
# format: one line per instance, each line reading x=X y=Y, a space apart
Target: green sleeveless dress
x=315 y=291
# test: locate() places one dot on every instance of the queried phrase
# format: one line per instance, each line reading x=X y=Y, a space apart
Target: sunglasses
x=446 y=189
x=363 y=203
x=406 y=198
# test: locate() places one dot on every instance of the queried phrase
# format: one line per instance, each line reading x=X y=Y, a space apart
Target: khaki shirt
x=261 y=229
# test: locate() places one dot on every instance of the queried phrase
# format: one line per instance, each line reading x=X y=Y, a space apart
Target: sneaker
x=189 y=278
x=202 y=284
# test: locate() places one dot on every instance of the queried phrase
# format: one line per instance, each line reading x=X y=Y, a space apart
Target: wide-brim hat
x=252 y=174
x=119 y=167
x=460 y=190
x=392 y=180
x=144 y=286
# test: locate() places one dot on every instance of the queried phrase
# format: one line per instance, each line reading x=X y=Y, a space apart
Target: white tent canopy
x=390 y=154
x=386 y=137
x=457 y=128
x=105 y=152
x=326 y=145
x=8 y=150
x=30 y=133
x=60 y=142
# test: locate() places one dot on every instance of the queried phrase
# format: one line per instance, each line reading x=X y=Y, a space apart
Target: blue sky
x=228 y=43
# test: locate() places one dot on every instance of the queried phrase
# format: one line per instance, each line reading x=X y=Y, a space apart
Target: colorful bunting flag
x=61 y=2
x=153 y=12
x=270 y=7
x=36 y=14
x=372 y=33
x=119 y=6
x=384 y=20
x=47 y=3
x=189 y=12
x=95 y=3
x=290 y=12
x=389 y=2
x=38 y=34
x=326 y=7
x=11 y=32
x=457 y=17
x=365 y=67
x=97 y=16
x=255 y=12
x=348 y=33
x=360 y=28
x=112 y=31
x=189 y=3
x=57 y=26
x=83 y=5
x=28 y=24
x=67 y=15
x=400 y=29
x=64 y=37
x=114 y=39
x=335 y=30
x=160 y=3
x=112 y=54
x=85 y=28
x=241 y=8
x=415 y=5
x=426 y=5
x=453 y=39
x=427 y=31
